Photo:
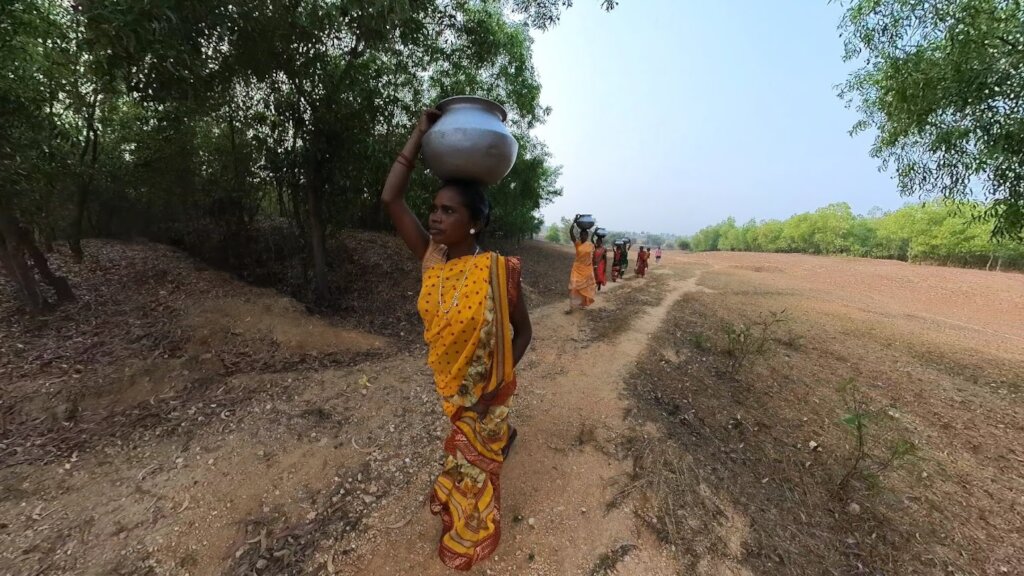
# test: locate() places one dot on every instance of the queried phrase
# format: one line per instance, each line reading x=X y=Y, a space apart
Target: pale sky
x=669 y=115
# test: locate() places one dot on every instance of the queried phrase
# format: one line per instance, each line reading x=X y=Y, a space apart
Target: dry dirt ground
x=177 y=421
x=751 y=460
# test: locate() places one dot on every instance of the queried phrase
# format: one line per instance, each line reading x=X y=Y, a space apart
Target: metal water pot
x=586 y=222
x=470 y=141
x=600 y=232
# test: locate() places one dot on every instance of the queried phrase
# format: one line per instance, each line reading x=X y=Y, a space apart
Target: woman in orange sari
x=477 y=328
x=582 y=287
x=600 y=263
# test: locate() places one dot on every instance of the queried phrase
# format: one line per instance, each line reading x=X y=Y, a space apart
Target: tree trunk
x=48 y=236
x=60 y=284
x=282 y=207
x=75 y=233
x=13 y=257
x=317 y=244
x=86 y=177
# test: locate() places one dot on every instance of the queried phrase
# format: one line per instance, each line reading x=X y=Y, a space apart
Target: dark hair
x=475 y=200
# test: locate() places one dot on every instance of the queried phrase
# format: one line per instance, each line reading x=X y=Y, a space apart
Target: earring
x=472 y=230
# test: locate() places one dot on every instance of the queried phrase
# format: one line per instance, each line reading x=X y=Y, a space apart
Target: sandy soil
x=222 y=430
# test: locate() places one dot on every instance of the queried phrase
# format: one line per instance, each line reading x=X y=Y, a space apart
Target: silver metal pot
x=586 y=222
x=600 y=232
x=470 y=141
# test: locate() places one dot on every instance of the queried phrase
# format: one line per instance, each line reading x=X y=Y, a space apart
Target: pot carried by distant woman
x=477 y=329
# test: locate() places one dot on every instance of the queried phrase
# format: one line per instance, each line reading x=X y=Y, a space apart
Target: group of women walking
x=590 y=268
x=477 y=329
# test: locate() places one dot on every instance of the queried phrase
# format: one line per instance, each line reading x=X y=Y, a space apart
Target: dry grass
x=628 y=300
x=176 y=419
x=737 y=478
x=623 y=306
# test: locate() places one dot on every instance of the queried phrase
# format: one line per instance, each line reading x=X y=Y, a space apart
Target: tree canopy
x=942 y=82
x=204 y=122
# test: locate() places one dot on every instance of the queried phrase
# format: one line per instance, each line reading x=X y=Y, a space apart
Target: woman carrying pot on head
x=641 y=261
x=624 y=259
x=616 y=257
x=582 y=287
x=600 y=262
x=477 y=329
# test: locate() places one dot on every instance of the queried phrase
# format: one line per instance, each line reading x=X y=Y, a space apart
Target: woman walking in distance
x=600 y=263
x=624 y=259
x=582 y=287
x=616 y=262
x=641 y=261
x=477 y=329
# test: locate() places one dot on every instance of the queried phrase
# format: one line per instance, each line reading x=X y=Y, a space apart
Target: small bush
x=700 y=341
x=868 y=460
x=746 y=341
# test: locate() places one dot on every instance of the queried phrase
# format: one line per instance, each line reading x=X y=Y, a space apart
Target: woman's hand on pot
x=427 y=119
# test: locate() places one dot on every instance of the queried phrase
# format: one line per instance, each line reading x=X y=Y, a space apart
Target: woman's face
x=449 y=221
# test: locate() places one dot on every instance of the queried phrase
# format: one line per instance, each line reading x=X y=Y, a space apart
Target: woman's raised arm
x=393 y=196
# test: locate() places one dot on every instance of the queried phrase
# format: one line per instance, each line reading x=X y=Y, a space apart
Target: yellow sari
x=465 y=305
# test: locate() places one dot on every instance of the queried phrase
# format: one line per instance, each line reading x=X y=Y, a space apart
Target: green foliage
x=198 y=121
x=931 y=232
x=683 y=243
x=655 y=240
x=700 y=341
x=558 y=232
x=707 y=239
x=34 y=142
x=872 y=454
x=940 y=82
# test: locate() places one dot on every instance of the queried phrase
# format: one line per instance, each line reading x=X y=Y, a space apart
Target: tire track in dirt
x=562 y=472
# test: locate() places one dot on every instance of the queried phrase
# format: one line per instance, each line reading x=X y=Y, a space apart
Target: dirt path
x=559 y=480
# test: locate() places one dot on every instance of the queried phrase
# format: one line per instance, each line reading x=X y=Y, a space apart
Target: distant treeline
x=933 y=232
